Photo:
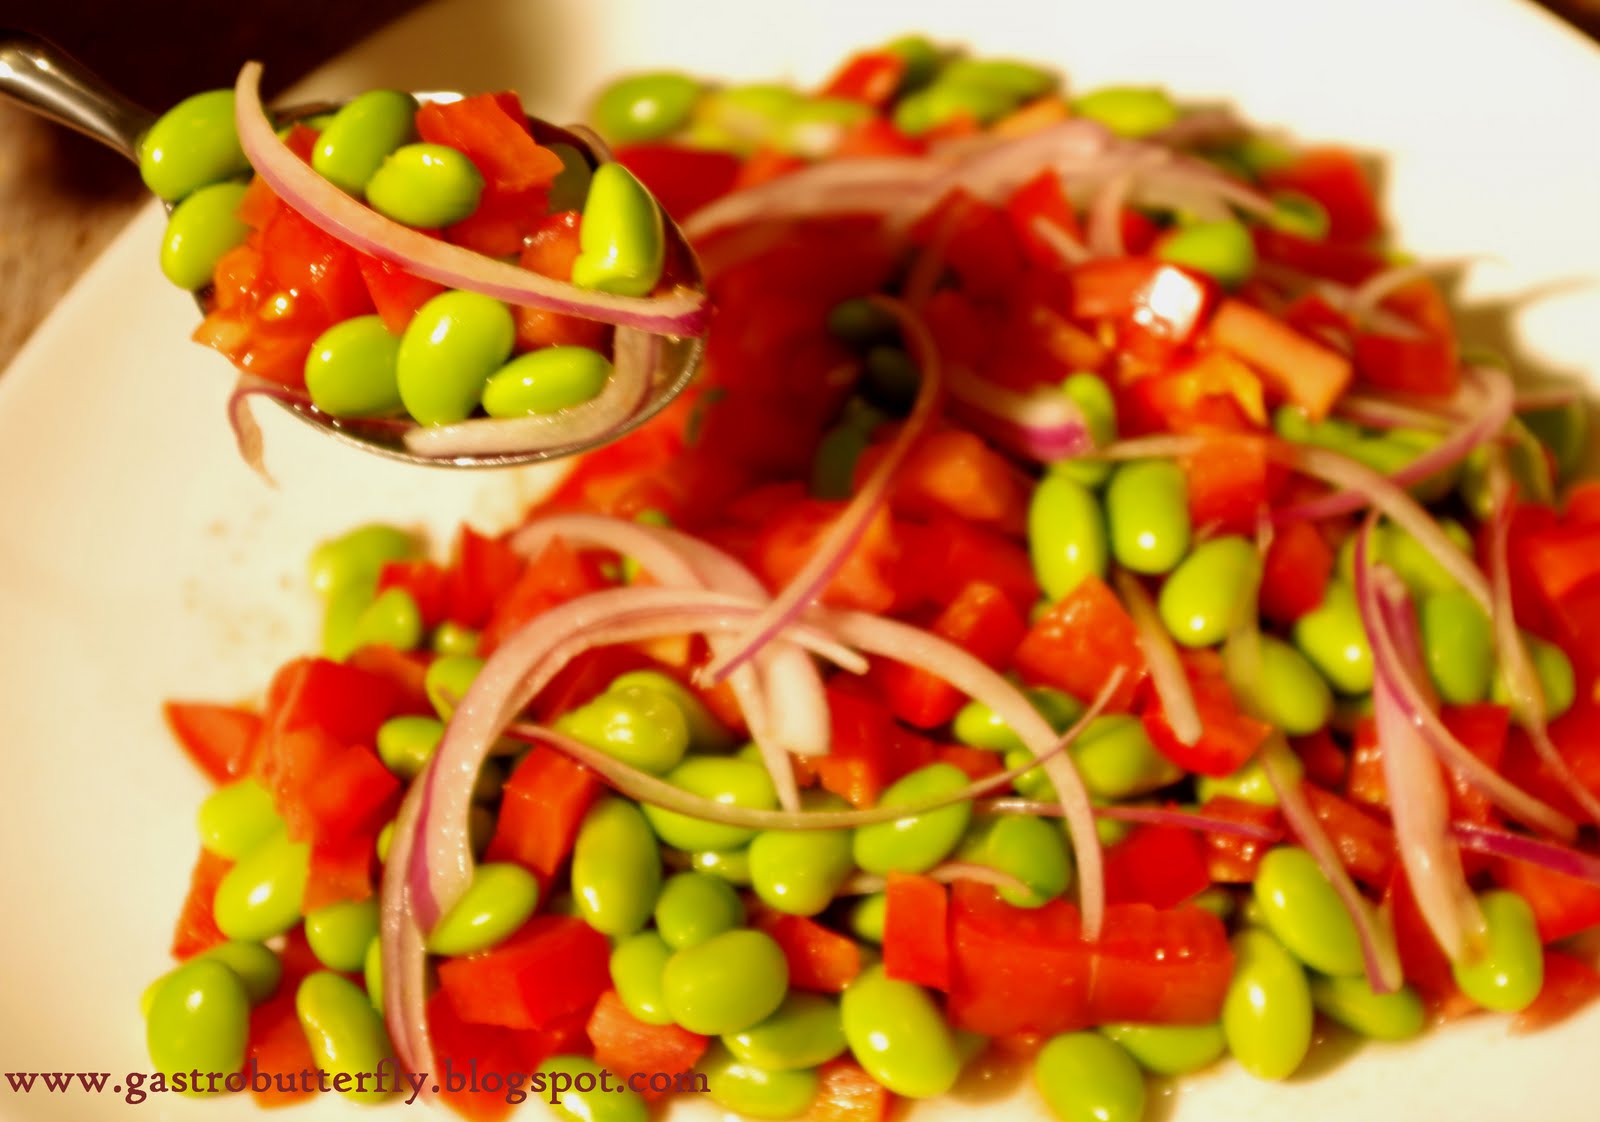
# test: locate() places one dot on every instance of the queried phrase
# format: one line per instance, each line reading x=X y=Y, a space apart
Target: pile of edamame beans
x=690 y=908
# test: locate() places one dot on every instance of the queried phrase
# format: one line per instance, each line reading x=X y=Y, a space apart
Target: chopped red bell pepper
x=277 y=1044
x=1429 y=364
x=1160 y=966
x=1293 y=367
x=553 y=967
x=916 y=931
x=542 y=805
x=846 y=1093
x=197 y=929
x=1166 y=313
x=1365 y=845
x=1562 y=905
x=557 y=575
x=1232 y=858
x=395 y=293
x=344 y=701
x=1231 y=481
x=1295 y=572
x=1042 y=199
x=483 y=571
x=1158 y=865
x=1336 y=180
x=682 y=179
x=872 y=77
x=982 y=622
x=341 y=870
x=475 y=1050
x=869 y=749
x=942 y=555
x=1015 y=969
x=491 y=130
x=1228 y=735
x=220 y=739
x=628 y=1046
x=1570 y=984
x=819 y=958
x=1079 y=642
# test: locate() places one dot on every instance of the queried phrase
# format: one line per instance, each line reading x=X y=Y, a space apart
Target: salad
x=1092 y=610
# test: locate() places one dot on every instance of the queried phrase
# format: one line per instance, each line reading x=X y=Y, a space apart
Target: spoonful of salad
x=432 y=277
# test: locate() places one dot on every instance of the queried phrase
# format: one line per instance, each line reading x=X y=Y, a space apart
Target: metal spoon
x=45 y=80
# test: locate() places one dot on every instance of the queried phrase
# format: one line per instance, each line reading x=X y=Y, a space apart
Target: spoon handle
x=46 y=80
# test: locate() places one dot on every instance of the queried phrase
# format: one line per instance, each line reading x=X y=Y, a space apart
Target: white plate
x=139 y=560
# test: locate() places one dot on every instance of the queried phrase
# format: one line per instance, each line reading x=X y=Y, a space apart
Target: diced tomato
x=300 y=258
x=1042 y=199
x=277 y=1043
x=557 y=575
x=1230 y=483
x=1166 y=313
x=1562 y=905
x=868 y=749
x=682 y=179
x=963 y=331
x=341 y=871
x=872 y=77
x=551 y=247
x=1365 y=845
x=344 y=701
x=553 y=967
x=978 y=243
x=1570 y=984
x=1427 y=365
x=1421 y=958
x=1293 y=367
x=354 y=794
x=916 y=931
x=863 y=582
x=218 y=738
x=1079 y=642
x=541 y=808
x=483 y=571
x=1231 y=858
x=1582 y=506
x=1295 y=572
x=1576 y=736
x=1228 y=735
x=1015 y=969
x=941 y=556
x=395 y=293
x=1336 y=180
x=472 y=1050
x=1366 y=784
x=1563 y=559
x=819 y=958
x=1158 y=865
x=846 y=1093
x=981 y=621
x=628 y=1046
x=492 y=131
x=953 y=472
x=1160 y=966
x=197 y=929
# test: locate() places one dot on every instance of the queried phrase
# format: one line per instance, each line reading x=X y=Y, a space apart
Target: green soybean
x=1033 y=783
x=1508 y=973
x=192 y=145
x=1411 y=561
x=341 y=611
x=405 y=744
x=1217 y=900
x=1031 y=849
x=645 y=107
x=237 y=817
x=918 y=842
x=622 y=241
x=450 y=638
x=979 y=726
x=729 y=983
x=812 y=127
x=897 y=1033
x=1331 y=635
x=199 y=1019
x=256 y=966
x=890 y=379
x=372 y=973
x=833 y=468
x=1066 y=535
x=799 y=871
x=364 y=131
x=447 y=680
x=1222 y=250
x=203 y=227
x=351 y=369
x=355 y=558
x=728 y=780
x=1128 y=110
x=449 y=349
x=1211 y=592
x=425 y=185
x=1557 y=681
x=1117 y=759
x=392 y=620
x=1147 y=509
x=1529 y=467
x=1293 y=696
x=866 y=915
x=732 y=865
x=1266 y=1014
x=1458 y=645
x=344 y=1031
x=497 y=902
x=751 y=1091
x=1021 y=80
x=692 y=907
x=616 y=868
x=946 y=101
x=546 y=381
x=637 y=964
x=1249 y=782
x=1099 y=409
x=862 y=324
x=1298 y=214
x=261 y=895
x=617 y=1105
x=339 y=934
x=745 y=117
x=921 y=57
x=1086 y=1077
x=806 y=1030
x=1170 y=1049
x=1300 y=906
x=639 y=725
x=1352 y=1002
x=706 y=733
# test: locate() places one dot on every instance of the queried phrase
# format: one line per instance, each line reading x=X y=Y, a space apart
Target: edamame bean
x=743 y=118
x=344 y=1031
x=391 y=620
x=372 y=973
x=256 y=965
x=1266 y=1015
x=450 y=638
x=943 y=102
x=813 y=127
x=1030 y=849
x=1410 y=560
x=339 y=934
x=833 y=468
x=350 y=369
x=261 y=895
x=867 y=916
x=706 y=733
x=728 y=780
x=594 y=1105
x=918 y=842
x=1147 y=509
x=447 y=680
x=546 y=381
x=199 y=1019
x=1293 y=696
x=364 y=131
x=1299 y=906
x=1211 y=592
x=616 y=868
x=1250 y=783
x=237 y=817
x=1170 y=1049
x=406 y=744
x=203 y=227
x=1128 y=110
x=806 y=1030
x=862 y=324
x=1033 y=783
x=1509 y=973
x=1458 y=645
x=622 y=241
x=1066 y=535
x=695 y=906
x=1528 y=465
x=1022 y=81
x=1331 y=635
x=1382 y=1016
x=1222 y=250
x=979 y=726
x=341 y=611
x=729 y=983
x=922 y=59
x=1217 y=900
x=890 y=379
x=356 y=557
x=637 y=965
x=798 y=871
x=1090 y=394
x=1086 y=1077
x=732 y=865
x=449 y=349
x=192 y=145
x=755 y=1092
x=425 y=185
x=897 y=1033
x=639 y=725
x=497 y=902
x=1298 y=214
x=645 y=107
x=1557 y=682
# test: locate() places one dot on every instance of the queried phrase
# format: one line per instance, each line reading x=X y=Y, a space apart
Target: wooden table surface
x=62 y=198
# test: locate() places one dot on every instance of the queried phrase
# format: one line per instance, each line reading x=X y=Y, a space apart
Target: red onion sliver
x=1044 y=426
x=1064 y=245
x=402 y=945
x=1161 y=656
x=1557 y=858
x=1144 y=815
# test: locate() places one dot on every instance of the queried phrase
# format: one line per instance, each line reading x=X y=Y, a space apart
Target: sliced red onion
x=1143 y=815
x=1105 y=214
x=402 y=945
x=1377 y=411
x=1561 y=859
x=246 y=432
x=1379 y=953
x=1535 y=398
x=1161 y=656
x=1043 y=426
x=831 y=552
x=1369 y=295
x=876 y=185
x=927 y=268
x=1064 y=245
x=992 y=168
x=1201 y=128
x=681 y=312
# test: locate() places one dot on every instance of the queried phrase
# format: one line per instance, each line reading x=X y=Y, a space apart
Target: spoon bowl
x=39 y=77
